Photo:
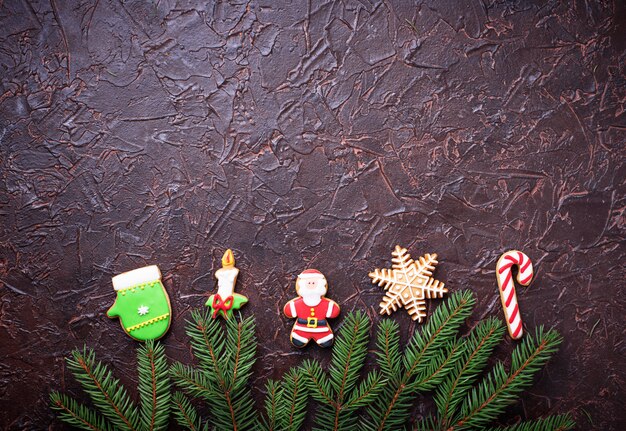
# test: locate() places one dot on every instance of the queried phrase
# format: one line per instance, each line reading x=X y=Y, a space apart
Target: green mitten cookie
x=142 y=304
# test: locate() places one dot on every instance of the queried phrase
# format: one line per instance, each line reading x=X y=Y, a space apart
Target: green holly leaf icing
x=238 y=302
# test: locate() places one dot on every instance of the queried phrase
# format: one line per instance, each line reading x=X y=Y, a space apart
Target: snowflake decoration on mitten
x=408 y=283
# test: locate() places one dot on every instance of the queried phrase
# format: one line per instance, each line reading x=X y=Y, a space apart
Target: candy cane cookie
x=506 y=286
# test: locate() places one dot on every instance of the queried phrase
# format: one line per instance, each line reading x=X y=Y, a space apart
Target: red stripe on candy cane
x=527 y=279
x=514 y=313
x=517 y=331
x=506 y=280
x=505 y=267
x=510 y=298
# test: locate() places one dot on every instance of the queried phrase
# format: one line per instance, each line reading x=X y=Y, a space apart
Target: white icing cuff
x=136 y=277
x=326 y=338
x=299 y=338
x=330 y=310
x=292 y=308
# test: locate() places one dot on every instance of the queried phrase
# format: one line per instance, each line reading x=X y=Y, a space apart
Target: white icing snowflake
x=143 y=310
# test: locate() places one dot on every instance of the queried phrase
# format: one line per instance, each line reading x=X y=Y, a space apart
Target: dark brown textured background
x=320 y=135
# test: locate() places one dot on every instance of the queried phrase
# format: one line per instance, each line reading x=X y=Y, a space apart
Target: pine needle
x=73 y=413
x=186 y=414
x=105 y=391
x=551 y=423
x=154 y=386
x=477 y=348
x=420 y=357
x=500 y=389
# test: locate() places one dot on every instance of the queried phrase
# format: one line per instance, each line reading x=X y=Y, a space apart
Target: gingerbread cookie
x=311 y=310
x=508 y=297
x=226 y=300
x=408 y=283
x=142 y=303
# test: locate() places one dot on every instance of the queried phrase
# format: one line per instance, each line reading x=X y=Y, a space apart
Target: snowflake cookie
x=408 y=284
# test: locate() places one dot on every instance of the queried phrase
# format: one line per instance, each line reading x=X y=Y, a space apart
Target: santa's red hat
x=311 y=273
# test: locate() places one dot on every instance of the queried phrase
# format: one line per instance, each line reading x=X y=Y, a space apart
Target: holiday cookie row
x=143 y=306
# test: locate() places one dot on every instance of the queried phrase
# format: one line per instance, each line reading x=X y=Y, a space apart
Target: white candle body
x=226 y=279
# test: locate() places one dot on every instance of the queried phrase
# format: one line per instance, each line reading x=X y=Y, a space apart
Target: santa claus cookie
x=142 y=304
x=311 y=310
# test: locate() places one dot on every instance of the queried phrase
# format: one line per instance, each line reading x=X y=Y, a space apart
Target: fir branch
x=208 y=344
x=186 y=414
x=226 y=360
x=499 y=389
x=73 y=413
x=105 y=391
x=366 y=392
x=551 y=423
x=396 y=400
x=336 y=391
x=478 y=346
x=154 y=386
x=271 y=405
x=292 y=401
x=388 y=343
x=319 y=384
x=193 y=381
x=439 y=366
x=349 y=353
x=441 y=327
x=241 y=349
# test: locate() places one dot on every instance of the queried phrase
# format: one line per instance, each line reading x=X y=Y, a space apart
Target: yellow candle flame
x=228 y=260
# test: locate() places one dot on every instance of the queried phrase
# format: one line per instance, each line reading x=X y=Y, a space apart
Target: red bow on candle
x=223 y=305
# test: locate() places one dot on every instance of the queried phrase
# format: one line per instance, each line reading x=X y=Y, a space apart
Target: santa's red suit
x=312 y=312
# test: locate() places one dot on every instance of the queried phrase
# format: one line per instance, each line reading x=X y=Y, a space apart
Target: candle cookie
x=226 y=300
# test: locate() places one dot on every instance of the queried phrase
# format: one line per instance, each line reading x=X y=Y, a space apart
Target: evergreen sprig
x=500 y=389
x=337 y=390
x=154 y=387
x=286 y=401
x=430 y=355
x=115 y=408
x=477 y=349
x=436 y=358
x=72 y=412
x=186 y=414
x=552 y=423
x=226 y=356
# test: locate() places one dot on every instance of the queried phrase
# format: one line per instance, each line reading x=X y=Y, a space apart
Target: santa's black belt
x=312 y=322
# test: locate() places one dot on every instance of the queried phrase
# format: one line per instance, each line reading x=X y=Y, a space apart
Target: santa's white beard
x=312 y=296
